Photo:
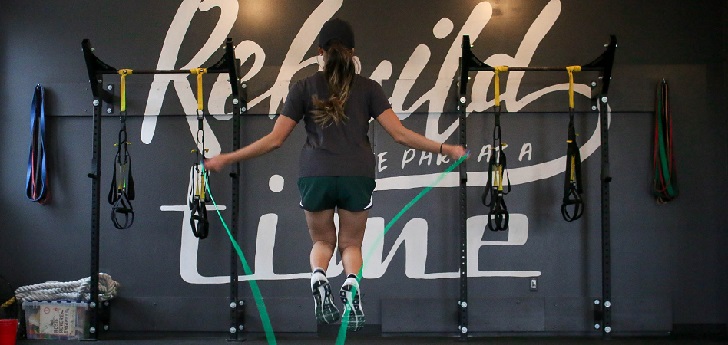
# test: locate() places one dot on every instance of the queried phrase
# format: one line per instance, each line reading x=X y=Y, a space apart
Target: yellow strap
x=571 y=70
x=201 y=185
x=124 y=73
x=499 y=177
x=573 y=169
x=199 y=72
x=498 y=69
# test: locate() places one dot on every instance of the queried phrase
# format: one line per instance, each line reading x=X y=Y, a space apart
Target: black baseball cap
x=336 y=29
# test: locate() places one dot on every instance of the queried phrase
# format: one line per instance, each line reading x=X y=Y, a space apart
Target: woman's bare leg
x=323 y=235
x=351 y=235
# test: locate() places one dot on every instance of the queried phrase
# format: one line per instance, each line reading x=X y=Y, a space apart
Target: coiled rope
x=78 y=290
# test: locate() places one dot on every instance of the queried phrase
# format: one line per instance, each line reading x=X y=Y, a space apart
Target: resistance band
x=122 y=183
x=573 y=188
x=197 y=197
x=341 y=338
x=494 y=192
x=665 y=178
x=262 y=310
x=36 y=180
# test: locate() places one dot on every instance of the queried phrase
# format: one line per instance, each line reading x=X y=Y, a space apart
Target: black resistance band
x=122 y=183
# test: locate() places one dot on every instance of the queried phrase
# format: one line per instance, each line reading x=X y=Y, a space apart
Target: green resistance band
x=341 y=338
x=267 y=327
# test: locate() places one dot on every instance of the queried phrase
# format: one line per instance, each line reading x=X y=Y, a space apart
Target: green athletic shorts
x=351 y=193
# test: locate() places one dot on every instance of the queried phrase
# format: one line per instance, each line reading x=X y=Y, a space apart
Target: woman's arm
x=402 y=135
x=271 y=141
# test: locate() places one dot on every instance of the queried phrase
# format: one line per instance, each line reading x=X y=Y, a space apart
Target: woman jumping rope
x=337 y=164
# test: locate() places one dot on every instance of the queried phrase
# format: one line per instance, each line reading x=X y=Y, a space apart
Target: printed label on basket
x=58 y=320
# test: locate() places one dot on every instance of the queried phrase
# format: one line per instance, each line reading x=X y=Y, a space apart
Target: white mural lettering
x=413 y=234
x=526 y=150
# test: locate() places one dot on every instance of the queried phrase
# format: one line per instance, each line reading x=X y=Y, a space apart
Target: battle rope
x=78 y=290
x=573 y=187
x=494 y=192
x=122 y=183
x=262 y=310
x=36 y=180
x=197 y=197
x=341 y=338
x=665 y=179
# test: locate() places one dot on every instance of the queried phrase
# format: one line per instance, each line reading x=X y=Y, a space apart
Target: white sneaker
x=350 y=296
x=324 y=307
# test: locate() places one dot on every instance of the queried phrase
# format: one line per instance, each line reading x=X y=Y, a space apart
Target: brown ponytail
x=339 y=70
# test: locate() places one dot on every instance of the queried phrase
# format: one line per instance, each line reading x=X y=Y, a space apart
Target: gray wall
x=668 y=260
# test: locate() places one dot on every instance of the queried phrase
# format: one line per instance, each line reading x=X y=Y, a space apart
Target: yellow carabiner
x=497 y=70
x=200 y=100
x=124 y=73
x=571 y=70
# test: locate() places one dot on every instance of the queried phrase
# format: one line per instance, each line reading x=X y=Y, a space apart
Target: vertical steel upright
x=463 y=203
x=605 y=179
x=230 y=65
x=604 y=63
x=95 y=176
x=96 y=70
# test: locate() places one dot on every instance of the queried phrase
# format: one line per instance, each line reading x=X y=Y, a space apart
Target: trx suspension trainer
x=122 y=183
x=573 y=188
x=493 y=195
x=196 y=196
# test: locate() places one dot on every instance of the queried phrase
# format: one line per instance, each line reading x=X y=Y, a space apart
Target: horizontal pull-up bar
x=535 y=69
x=97 y=68
x=603 y=64
x=182 y=71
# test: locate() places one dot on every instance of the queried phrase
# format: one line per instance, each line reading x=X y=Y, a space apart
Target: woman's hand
x=454 y=151
x=216 y=163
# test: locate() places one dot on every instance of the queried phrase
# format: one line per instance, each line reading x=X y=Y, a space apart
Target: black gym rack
x=96 y=70
x=603 y=65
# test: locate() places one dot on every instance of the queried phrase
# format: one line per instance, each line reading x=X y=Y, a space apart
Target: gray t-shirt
x=343 y=149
